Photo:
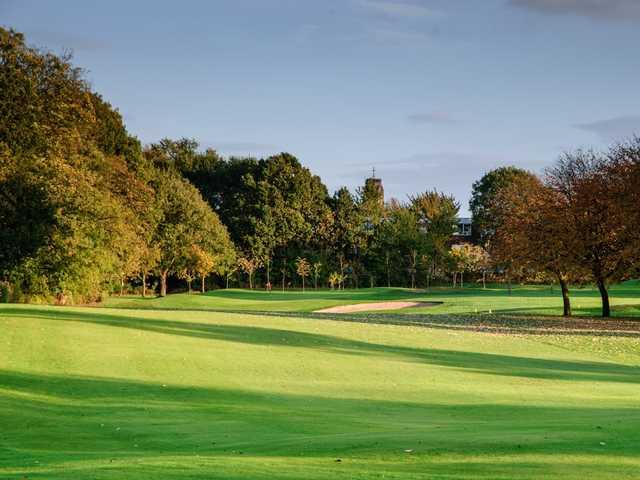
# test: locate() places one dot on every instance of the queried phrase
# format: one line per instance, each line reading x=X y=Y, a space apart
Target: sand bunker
x=369 y=307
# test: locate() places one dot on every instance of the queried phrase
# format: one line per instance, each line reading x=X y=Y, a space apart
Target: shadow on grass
x=70 y=427
x=48 y=419
x=503 y=365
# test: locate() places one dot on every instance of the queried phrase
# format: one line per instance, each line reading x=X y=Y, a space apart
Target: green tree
x=409 y=241
x=437 y=215
x=483 y=193
x=186 y=220
x=348 y=234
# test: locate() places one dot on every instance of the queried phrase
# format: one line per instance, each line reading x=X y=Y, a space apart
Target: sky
x=432 y=93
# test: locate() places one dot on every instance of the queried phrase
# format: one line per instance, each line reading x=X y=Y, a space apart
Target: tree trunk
x=387 y=260
x=484 y=276
x=202 y=285
x=189 y=287
x=121 y=286
x=454 y=279
x=604 y=294
x=566 y=301
x=509 y=283
x=227 y=282
x=163 y=283
x=461 y=279
x=144 y=284
x=268 y=271
x=283 y=280
x=302 y=284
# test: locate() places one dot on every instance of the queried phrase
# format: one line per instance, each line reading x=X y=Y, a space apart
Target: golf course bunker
x=369 y=307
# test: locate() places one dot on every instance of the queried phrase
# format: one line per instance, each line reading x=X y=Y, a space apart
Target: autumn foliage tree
x=595 y=197
x=249 y=265
x=303 y=269
x=535 y=232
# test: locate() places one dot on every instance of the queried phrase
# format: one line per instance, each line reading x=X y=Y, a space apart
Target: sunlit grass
x=89 y=393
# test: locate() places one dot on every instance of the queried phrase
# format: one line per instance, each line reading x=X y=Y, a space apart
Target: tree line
x=82 y=211
x=86 y=210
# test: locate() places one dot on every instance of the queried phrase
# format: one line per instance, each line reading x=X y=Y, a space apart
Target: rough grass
x=530 y=300
x=88 y=393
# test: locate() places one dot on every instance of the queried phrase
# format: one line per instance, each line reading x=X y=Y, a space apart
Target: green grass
x=532 y=300
x=89 y=393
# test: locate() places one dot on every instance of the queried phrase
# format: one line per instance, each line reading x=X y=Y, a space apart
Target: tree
x=436 y=214
x=317 y=268
x=303 y=269
x=535 y=233
x=348 y=234
x=228 y=272
x=71 y=209
x=264 y=242
x=408 y=240
x=623 y=171
x=482 y=200
x=335 y=280
x=46 y=104
x=148 y=262
x=249 y=265
x=186 y=220
x=188 y=274
x=467 y=258
x=591 y=201
x=480 y=262
x=204 y=264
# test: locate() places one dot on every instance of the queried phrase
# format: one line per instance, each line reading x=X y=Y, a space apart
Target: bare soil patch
x=369 y=307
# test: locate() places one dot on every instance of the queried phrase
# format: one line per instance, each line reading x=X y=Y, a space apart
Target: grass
x=90 y=393
x=532 y=300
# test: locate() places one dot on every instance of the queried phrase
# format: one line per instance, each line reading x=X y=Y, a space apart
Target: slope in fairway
x=113 y=394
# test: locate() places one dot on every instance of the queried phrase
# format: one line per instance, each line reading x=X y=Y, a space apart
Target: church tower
x=373 y=186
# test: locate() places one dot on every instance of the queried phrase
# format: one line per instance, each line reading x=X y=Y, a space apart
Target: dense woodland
x=87 y=211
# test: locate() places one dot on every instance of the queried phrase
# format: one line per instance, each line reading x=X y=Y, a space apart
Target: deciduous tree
x=303 y=269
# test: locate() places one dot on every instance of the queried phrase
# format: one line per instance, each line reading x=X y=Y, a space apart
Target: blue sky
x=431 y=93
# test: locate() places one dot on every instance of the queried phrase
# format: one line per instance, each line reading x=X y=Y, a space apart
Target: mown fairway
x=90 y=393
x=529 y=300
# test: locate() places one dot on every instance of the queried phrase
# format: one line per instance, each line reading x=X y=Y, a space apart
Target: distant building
x=464 y=228
x=374 y=183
